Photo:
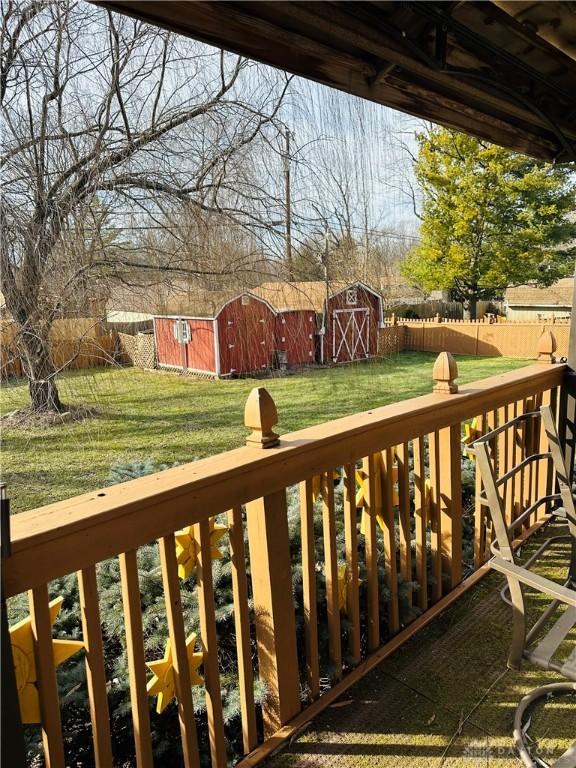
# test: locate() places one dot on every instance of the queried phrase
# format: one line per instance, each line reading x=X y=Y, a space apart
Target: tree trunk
x=470 y=308
x=40 y=372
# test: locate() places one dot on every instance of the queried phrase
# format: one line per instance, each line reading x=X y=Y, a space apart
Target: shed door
x=350 y=334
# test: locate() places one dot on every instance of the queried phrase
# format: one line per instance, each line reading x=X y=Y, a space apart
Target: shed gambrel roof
x=298 y=295
x=557 y=295
x=305 y=294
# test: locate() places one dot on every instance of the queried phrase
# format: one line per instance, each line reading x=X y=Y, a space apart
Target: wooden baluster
x=309 y=587
x=390 y=564
x=434 y=514
x=135 y=656
x=421 y=508
x=518 y=433
x=559 y=402
x=351 y=544
x=531 y=488
x=451 y=502
x=95 y=669
x=46 y=684
x=177 y=635
x=504 y=458
x=491 y=422
x=480 y=510
x=207 y=614
x=271 y=574
x=446 y=476
x=507 y=461
x=331 y=573
x=242 y=626
x=544 y=465
x=371 y=551
x=502 y=462
x=404 y=516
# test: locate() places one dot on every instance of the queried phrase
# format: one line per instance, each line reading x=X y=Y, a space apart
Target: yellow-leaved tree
x=491 y=218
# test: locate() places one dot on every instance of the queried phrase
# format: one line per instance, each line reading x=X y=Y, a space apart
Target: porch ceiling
x=503 y=71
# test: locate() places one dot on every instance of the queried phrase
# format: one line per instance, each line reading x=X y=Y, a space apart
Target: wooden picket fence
x=74 y=344
x=479 y=337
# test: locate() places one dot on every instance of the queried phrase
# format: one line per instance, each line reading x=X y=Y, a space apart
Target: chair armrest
x=557 y=591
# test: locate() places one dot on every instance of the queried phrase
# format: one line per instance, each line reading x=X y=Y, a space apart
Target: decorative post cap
x=260 y=415
x=444 y=373
x=546 y=347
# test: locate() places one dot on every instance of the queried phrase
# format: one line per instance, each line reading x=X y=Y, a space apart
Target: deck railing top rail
x=69 y=535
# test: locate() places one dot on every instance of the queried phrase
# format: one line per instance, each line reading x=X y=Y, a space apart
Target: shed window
x=351 y=296
x=245 y=300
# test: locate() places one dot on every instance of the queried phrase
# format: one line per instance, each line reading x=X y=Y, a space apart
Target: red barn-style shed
x=353 y=318
x=296 y=335
x=246 y=329
x=253 y=330
x=186 y=343
x=241 y=338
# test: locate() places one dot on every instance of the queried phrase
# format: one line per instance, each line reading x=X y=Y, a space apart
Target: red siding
x=197 y=355
x=295 y=334
x=352 y=332
x=246 y=336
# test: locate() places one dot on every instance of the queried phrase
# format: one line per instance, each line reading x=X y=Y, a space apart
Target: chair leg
x=518 y=625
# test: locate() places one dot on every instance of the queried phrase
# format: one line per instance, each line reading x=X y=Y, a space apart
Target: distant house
x=529 y=302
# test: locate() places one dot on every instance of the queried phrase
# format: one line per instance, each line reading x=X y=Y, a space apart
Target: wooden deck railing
x=383 y=542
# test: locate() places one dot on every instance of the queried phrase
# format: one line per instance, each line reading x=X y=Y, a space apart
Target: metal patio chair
x=533 y=644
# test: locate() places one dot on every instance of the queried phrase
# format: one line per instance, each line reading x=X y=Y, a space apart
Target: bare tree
x=105 y=119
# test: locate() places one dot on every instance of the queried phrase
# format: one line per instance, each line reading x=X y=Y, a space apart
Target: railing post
x=271 y=573
x=13 y=752
x=546 y=347
x=445 y=373
x=448 y=485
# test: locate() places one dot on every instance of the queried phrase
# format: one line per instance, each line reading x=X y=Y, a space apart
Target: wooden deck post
x=271 y=572
x=13 y=751
x=449 y=474
x=567 y=425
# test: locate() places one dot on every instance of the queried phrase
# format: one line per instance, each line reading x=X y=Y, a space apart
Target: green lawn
x=167 y=418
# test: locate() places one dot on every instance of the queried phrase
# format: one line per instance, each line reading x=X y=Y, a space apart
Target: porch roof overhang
x=502 y=71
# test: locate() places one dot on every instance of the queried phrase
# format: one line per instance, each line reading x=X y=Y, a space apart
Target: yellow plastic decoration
x=186 y=552
x=162 y=684
x=362 y=479
x=342 y=588
x=471 y=433
x=316 y=486
x=317 y=482
x=22 y=642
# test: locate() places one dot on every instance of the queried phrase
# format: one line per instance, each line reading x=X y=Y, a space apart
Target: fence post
x=13 y=752
x=271 y=573
x=446 y=477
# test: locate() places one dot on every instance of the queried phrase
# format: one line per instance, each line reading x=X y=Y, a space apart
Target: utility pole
x=366 y=247
x=323 y=350
x=288 y=205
